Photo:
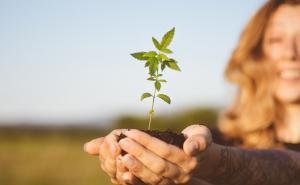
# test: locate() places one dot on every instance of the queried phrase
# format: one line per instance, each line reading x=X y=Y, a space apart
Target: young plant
x=156 y=62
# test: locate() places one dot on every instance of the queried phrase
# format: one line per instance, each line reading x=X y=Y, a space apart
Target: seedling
x=156 y=62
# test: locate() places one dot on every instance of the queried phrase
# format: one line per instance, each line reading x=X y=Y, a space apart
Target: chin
x=286 y=96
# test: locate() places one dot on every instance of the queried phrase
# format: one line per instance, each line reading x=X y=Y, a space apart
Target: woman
x=263 y=124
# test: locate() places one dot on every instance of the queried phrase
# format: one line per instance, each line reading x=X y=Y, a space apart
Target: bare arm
x=236 y=166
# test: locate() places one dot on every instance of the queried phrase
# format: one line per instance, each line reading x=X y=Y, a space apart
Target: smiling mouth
x=289 y=74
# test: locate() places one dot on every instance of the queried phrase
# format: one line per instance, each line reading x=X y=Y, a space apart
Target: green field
x=43 y=157
x=55 y=156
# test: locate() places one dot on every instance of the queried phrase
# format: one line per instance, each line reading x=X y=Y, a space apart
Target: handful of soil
x=166 y=136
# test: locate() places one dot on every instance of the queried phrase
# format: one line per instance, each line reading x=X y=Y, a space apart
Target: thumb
x=198 y=139
x=196 y=144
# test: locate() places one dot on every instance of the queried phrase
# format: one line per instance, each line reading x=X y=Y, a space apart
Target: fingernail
x=125 y=131
x=129 y=162
x=124 y=143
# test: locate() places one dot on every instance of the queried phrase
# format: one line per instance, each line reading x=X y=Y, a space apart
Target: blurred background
x=66 y=76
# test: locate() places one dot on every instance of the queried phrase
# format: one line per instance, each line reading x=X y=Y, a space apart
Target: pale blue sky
x=65 y=60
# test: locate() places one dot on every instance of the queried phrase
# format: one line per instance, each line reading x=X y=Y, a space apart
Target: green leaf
x=156 y=43
x=145 y=95
x=139 y=55
x=157 y=85
x=147 y=63
x=151 y=78
x=172 y=64
x=162 y=57
x=166 y=50
x=150 y=54
x=165 y=98
x=153 y=66
x=163 y=80
x=167 y=38
x=163 y=66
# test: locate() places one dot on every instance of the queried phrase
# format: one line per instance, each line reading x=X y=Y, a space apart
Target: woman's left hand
x=156 y=162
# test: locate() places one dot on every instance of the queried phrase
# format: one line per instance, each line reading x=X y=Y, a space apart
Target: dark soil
x=166 y=136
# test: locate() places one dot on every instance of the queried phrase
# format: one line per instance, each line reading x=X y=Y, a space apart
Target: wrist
x=208 y=161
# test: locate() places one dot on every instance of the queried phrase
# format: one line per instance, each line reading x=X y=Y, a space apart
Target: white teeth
x=289 y=74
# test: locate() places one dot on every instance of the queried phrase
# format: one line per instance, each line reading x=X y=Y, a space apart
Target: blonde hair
x=255 y=111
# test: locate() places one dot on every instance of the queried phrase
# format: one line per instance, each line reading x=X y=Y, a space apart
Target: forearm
x=236 y=166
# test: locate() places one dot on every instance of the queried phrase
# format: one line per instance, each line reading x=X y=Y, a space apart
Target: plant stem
x=152 y=106
x=151 y=111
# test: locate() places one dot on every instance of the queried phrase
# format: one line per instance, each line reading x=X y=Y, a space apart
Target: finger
x=111 y=141
x=169 y=152
x=195 y=130
x=92 y=147
x=146 y=157
x=142 y=172
x=122 y=174
x=108 y=151
x=108 y=161
x=196 y=144
x=110 y=167
x=120 y=171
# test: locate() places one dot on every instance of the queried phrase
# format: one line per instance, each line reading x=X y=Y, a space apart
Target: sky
x=69 y=60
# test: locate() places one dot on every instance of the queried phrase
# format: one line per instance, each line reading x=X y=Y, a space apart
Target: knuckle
x=160 y=167
x=166 y=153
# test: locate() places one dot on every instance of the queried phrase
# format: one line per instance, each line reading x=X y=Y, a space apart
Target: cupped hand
x=108 y=150
x=156 y=162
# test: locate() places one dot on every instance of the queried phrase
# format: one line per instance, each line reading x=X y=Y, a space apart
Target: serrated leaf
x=167 y=38
x=172 y=64
x=166 y=50
x=147 y=63
x=139 y=55
x=162 y=57
x=156 y=43
x=151 y=79
x=145 y=95
x=164 y=98
x=150 y=54
x=157 y=85
x=163 y=80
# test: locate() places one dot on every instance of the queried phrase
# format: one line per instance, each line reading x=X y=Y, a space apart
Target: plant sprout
x=156 y=62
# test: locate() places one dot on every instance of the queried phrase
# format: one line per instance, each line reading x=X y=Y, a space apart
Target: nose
x=293 y=49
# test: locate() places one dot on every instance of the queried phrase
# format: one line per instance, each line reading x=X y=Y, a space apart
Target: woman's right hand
x=109 y=152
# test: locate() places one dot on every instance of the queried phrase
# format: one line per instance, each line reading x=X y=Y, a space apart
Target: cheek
x=273 y=53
